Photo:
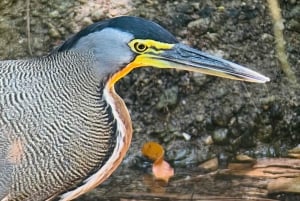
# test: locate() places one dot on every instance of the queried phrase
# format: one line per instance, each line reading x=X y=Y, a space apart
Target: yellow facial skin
x=143 y=48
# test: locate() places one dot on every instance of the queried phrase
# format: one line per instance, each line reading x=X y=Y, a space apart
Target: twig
x=279 y=39
x=28 y=26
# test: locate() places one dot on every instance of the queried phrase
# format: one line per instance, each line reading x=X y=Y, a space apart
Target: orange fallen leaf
x=161 y=169
x=153 y=151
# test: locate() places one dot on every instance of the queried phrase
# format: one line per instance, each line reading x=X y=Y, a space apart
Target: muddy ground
x=223 y=118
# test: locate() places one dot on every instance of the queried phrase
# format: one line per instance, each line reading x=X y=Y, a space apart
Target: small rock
x=264 y=134
x=268 y=99
x=244 y=158
x=221 y=117
x=199 y=117
x=53 y=32
x=210 y=165
x=97 y=15
x=208 y=140
x=196 y=5
x=206 y=12
x=201 y=25
x=54 y=14
x=294 y=25
x=295 y=152
x=221 y=8
x=220 y=136
x=185 y=8
x=186 y=136
x=199 y=78
x=168 y=98
x=214 y=37
x=87 y=21
x=267 y=37
x=177 y=154
x=295 y=12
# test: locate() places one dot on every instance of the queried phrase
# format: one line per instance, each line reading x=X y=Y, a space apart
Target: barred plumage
x=55 y=125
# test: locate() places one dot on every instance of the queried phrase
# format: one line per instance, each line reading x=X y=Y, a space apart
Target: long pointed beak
x=186 y=58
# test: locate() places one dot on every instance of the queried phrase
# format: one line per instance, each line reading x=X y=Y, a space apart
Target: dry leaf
x=153 y=151
x=161 y=169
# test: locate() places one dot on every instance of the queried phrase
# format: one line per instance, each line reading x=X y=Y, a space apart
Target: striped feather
x=56 y=127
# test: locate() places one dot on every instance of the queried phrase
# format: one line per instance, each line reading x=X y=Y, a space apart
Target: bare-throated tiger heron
x=63 y=128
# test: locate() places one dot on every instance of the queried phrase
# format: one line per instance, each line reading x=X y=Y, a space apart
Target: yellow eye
x=140 y=47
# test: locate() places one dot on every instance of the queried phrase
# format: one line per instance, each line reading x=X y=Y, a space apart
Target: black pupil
x=140 y=47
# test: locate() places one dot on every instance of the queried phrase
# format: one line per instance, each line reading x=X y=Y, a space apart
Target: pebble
x=295 y=152
x=54 y=33
x=87 y=21
x=201 y=24
x=185 y=8
x=199 y=117
x=186 y=136
x=54 y=14
x=168 y=98
x=220 y=135
x=267 y=37
x=52 y=30
x=244 y=158
x=210 y=165
x=97 y=15
x=264 y=134
x=208 y=140
x=199 y=78
x=294 y=25
x=295 y=12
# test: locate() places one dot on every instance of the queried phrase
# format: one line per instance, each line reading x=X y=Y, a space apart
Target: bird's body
x=63 y=129
x=67 y=99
